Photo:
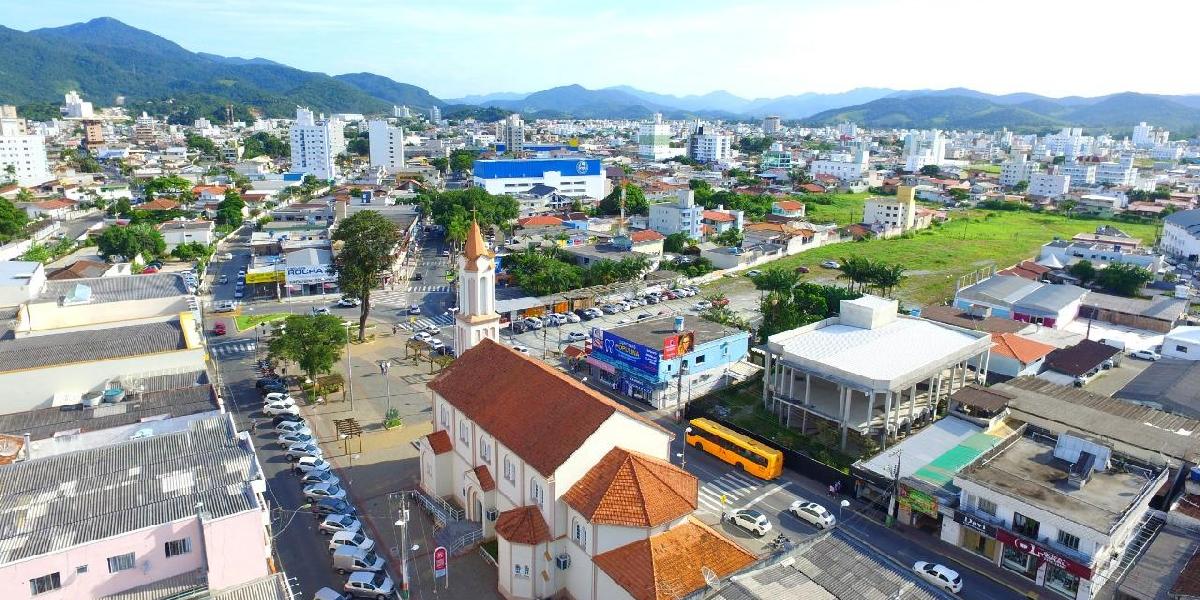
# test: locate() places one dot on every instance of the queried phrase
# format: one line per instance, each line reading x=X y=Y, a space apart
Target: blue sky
x=752 y=48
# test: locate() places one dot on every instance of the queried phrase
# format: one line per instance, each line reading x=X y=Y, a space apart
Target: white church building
x=579 y=491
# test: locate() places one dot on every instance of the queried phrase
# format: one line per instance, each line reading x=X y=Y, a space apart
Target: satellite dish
x=710 y=577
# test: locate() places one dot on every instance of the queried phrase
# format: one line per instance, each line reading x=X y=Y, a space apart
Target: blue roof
x=536 y=167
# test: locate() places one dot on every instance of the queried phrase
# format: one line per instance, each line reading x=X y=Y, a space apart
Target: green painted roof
x=940 y=471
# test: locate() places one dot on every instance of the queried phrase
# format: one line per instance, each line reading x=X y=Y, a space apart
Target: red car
x=801 y=269
x=219 y=329
x=149 y=270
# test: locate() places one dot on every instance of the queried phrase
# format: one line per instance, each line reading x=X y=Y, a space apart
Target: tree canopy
x=130 y=241
x=635 y=201
x=369 y=242
x=314 y=342
x=1123 y=279
x=265 y=144
x=12 y=221
x=457 y=206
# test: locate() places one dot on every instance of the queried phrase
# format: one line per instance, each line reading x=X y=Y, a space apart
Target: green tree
x=676 y=242
x=754 y=145
x=1021 y=187
x=931 y=170
x=12 y=221
x=265 y=144
x=441 y=163
x=229 y=210
x=38 y=253
x=1084 y=270
x=359 y=146
x=314 y=342
x=131 y=241
x=170 y=185
x=201 y=144
x=462 y=161
x=24 y=195
x=369 y=242
x=1123 y=279
x=635 y=201
x=730 y=237
x=1058 y=160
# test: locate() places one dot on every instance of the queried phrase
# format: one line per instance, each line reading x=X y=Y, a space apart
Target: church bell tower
x=477 y=318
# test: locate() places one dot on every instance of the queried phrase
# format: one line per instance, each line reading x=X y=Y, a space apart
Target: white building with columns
x=477 y=318
x=869 y=370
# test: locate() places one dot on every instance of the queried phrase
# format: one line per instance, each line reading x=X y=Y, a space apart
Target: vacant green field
x=844 y=209
x=973 y=239
x=244 y=322
x=986 y=168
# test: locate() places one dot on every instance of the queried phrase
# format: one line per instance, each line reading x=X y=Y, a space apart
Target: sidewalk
x=967 y=560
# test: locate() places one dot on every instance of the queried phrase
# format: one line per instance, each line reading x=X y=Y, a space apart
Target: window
x=177 y=547
x=510 y=470
x=121 y=562
x=1067 y=540
x=578 y=532
x=535 y=492
x=700 y=359
x=1025 y=526
x=1061 y=581
x=464 y=432
x=521 y=570
x=485 y=451
x=1180 y=348
x=445 y=416
x=986 y=506
x=45 y=583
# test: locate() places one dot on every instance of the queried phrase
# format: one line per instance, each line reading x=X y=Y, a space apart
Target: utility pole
x=402 y=522
x=349 y=375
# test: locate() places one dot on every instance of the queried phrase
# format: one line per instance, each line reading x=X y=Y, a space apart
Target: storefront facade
x=309 y=272
x=1018 y=554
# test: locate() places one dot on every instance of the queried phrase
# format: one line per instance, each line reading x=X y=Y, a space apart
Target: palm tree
x=887 y=276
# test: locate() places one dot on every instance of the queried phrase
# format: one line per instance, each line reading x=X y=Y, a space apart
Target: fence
x=792 y=459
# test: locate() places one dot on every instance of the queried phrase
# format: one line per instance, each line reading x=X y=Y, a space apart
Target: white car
x=703 y=305
x=297 y=451
x=1146 y=355
x=280 y=397
x=287 y=440
x=335 y=523
x=313 y=477
x=354 y=539
x=939 y=575
x=533 y=323
x=420 y=336
x=573 y=318
x=309 y=464
x=348 y=302
x=576 y=336
x=750 y=520
x=831 y=264
x=521 y=349
x=280 y=408
x=293 y=427
x=812 y=513
x=435 y=344
x=321 y=491
x=225 y=306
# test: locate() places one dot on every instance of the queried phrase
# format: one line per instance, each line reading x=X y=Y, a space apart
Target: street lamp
x=384 y=366
x=682 y=455
x=841 y=506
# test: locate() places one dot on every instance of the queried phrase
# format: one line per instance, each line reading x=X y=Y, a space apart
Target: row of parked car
x=352 y=553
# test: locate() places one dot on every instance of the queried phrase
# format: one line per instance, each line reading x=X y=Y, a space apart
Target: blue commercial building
x=644 y=360
x=573 y=177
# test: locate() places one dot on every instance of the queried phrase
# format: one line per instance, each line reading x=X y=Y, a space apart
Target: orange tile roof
x=764 y=226
x=523 y=525
x=517 y=399
x=789 y=205
x=716 y=215
x=815 y=188
x=1019 y=348
x=539 y=221
x=440 y=442
x=646 y=235
x=1027 y=269
x=634 y=490
x=668 y=565
x=159 y=204
x=212 y=189
x=54 y=204
x=485 y=478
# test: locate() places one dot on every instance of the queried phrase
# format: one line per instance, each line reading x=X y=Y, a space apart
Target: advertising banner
x=678 y=345
x=441 y=562
x=311 y=274
x=918 y=501
x=264 y=277
x=1030 y=547
x=635 y=355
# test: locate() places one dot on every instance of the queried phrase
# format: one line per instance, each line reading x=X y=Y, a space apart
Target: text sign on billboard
x=630 y=353
x=441 y=562
x=1045 y=554
x=311 y=274
x=678 y=345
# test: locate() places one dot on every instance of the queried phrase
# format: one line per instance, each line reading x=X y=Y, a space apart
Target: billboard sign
x=678 y=345
x=625 y=351
x=441 y=562
x=264 y=276
x=1044 y=554
x=303 y=274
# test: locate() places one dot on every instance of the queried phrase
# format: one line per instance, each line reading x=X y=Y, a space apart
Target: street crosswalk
x=429 y=288
x=233 y=348
x=393 y=298
x=735 y=487
x=426 y=322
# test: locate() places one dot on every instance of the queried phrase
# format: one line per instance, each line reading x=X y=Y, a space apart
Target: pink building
x=186 y=504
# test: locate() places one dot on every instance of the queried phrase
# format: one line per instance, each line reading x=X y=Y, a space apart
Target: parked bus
x=746 y=454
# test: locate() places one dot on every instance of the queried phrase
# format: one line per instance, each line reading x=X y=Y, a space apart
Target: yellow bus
x=746 y=454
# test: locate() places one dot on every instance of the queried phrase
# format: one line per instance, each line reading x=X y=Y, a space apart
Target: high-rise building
x=923 y=148
x=777 y=157
x=847 y=166
x=435 y=115
x=710 y=146
x=654 y=139
x=387 y=146
x=511 y=133
x=401 y=112
x=771 y=125
x=93 y=133
x=681 y=216
x=1148 y=136
x=74 y=107
x=24 y=152
x=315 y=144
x=1017 y=169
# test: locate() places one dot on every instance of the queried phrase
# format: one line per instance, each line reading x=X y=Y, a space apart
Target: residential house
x=1014 y=355
x=57 y=209
x=180 y=232
x=1182 y=342
x=1067 y=366
x=788 y=209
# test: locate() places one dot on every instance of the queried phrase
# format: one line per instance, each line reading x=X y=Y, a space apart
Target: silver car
x=335 y=523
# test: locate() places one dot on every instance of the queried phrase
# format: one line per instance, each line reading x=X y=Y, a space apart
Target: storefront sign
x=918 y=501
x=264 y=277
x=311 y=274
x=974 y=523
x=630 y=353
x=1042 y=553
x=441 y=562
x=599 y=364
x=678 y=345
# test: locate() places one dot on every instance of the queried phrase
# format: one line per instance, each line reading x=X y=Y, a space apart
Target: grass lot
x=244 y=322
x=971 y=240
x=843 y=209
x=986 y=168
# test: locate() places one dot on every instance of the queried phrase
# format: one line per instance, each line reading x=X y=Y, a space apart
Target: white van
x=347 y=559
